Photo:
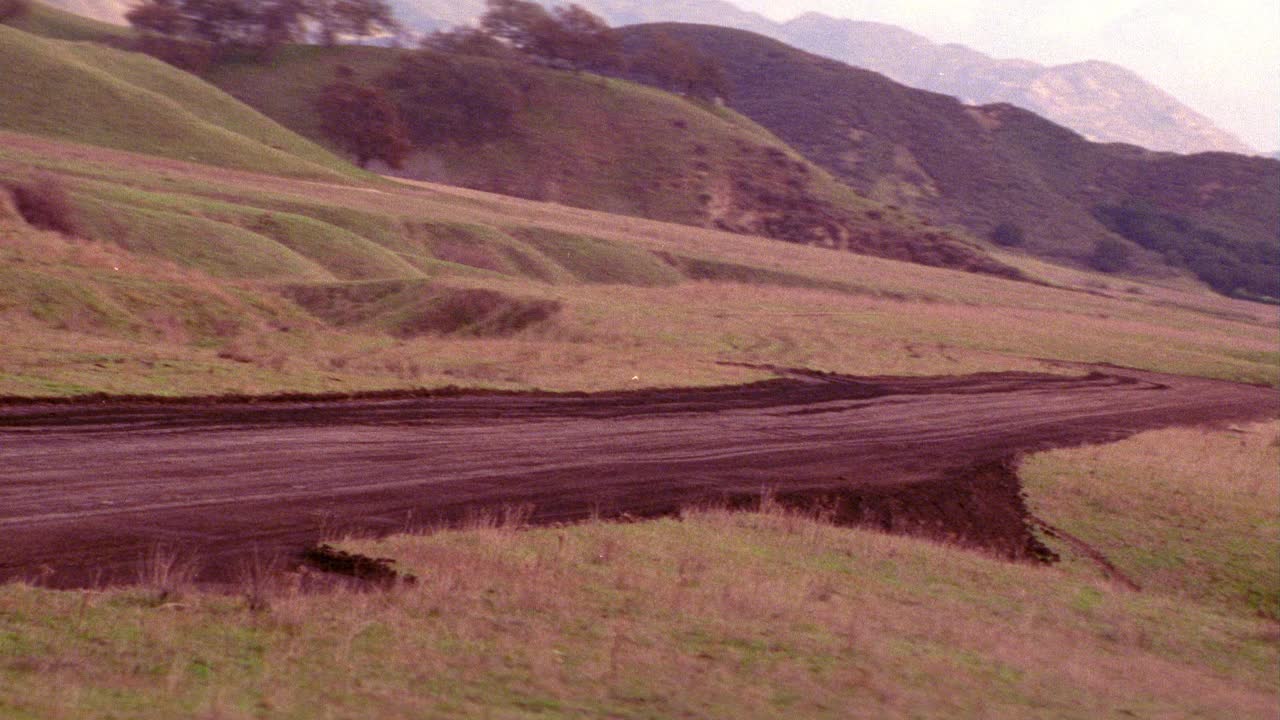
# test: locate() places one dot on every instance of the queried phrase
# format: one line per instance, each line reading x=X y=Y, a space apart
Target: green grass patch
x=1188 y=513
x=593 y=260
x=143 y=105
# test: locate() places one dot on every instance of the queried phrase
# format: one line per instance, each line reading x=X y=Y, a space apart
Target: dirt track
x=86 y=489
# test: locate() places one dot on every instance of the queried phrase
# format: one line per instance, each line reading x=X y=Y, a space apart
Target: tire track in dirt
x=87 y=489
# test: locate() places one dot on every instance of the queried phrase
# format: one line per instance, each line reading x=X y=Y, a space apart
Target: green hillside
x=51 y=22
x=993 y=166
x=93 y=94
x=605 y=144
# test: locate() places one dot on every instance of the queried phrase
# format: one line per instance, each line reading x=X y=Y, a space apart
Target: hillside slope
x=1102 y=101
x=90 y=93
x=983 y=167
x=606 y=144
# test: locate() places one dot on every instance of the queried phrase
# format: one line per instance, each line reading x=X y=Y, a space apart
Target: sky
x=1220 y=57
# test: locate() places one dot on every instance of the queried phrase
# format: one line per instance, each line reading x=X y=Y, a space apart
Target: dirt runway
x=87 y=489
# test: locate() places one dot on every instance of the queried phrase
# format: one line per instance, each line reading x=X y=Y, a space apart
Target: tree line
x=261 y=24
x=436 y=93
x=442 y=93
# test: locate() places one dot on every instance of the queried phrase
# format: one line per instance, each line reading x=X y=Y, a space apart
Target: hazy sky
x=1220 y=57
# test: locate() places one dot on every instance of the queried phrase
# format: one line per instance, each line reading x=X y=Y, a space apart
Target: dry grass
x=1187 y=512
x=714 y=614
x=887 y=317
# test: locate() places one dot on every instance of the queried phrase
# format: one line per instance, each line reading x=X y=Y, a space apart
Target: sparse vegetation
x=1243 y=269
x=714 y=614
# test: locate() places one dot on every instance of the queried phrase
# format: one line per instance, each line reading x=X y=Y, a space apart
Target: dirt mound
x=410 y=308
x=981 y=506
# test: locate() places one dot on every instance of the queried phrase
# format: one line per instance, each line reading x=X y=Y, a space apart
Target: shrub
x=1240 y=267
x=448 y=98
x=1007 y=234
x=1110 y=256
x=363 y=121
x=45 y=203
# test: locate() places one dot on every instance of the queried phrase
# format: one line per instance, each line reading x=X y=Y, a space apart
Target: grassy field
x=722 y=615
x=144 y=105
x=276 y=267
x=194 y=286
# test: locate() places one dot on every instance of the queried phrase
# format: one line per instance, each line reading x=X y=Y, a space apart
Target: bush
x=1242 y=268
x=1110 y=256
x=45 y=203
x=193 y=57
x=1007 y=234
x=363 y=121
x=448 y=98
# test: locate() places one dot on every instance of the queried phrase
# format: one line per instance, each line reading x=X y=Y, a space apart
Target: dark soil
x=88 y=489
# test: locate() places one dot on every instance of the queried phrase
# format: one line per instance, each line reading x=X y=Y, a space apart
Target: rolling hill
x=145 y=105
x=606 y=144
x=991 y=166
x=1102 y=101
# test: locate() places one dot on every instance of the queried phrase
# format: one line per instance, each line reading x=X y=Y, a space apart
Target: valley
x=656 y=407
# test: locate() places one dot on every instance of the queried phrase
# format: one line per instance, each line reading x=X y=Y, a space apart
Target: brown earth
x=89 y=488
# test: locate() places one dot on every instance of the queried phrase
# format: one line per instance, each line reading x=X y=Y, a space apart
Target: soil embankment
x=89 y=489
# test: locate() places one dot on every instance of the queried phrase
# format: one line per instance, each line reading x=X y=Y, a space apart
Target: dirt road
x=87 y=489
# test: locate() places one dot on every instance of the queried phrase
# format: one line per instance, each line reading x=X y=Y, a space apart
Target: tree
x=159 y=17
x=260 y=24
x=444 y=98
x=678 y=66
x=568 y=35
x=352 y=18
x=523 y=25
x=466 y=41
x=581 y=39
x=363 y=121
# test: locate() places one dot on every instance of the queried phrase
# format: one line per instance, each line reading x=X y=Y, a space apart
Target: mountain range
x=1102 y=101
x=814 y=151
x=976 y=166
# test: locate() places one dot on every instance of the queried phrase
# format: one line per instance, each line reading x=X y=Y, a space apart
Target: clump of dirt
x=980 y=506
x=477 y=311
x=372 y=571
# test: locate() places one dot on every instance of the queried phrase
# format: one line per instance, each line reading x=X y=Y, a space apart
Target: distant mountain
x=1102 y=101
x=111 y=11
x=996 y=166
